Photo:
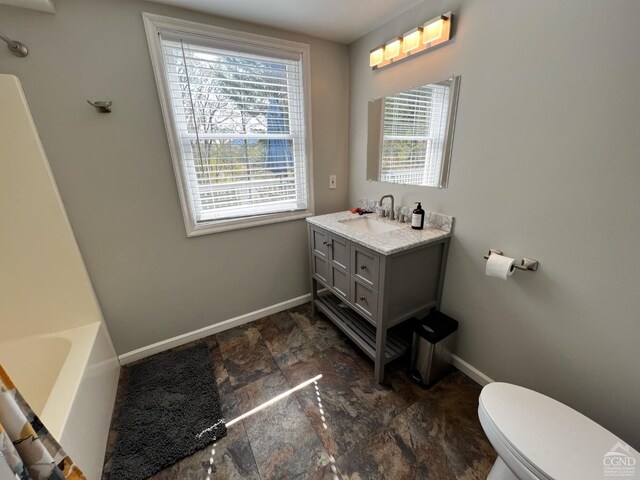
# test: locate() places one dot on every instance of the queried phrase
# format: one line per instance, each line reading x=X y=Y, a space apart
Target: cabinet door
x=339 y=260
x=365 y=267
x=320 y=268
x=340 y=281
x=320 y=242
x=340 y=251
x=320 y=254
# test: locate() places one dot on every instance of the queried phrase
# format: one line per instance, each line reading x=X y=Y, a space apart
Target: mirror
x=410 y=135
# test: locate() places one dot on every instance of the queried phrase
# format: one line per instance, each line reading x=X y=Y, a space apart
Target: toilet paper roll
x=500 y=266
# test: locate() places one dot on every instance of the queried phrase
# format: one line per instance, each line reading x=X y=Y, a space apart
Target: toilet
x=537 y=437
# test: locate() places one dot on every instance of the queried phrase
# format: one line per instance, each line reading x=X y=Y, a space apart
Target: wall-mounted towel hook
x=526 y=264
x=102 y=106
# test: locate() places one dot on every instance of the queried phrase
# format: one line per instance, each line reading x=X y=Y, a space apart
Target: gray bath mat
x=170 y=410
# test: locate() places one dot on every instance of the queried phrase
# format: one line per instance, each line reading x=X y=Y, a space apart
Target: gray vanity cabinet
x=366 y=293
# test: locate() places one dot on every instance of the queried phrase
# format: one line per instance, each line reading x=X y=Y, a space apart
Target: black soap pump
x=417 y=219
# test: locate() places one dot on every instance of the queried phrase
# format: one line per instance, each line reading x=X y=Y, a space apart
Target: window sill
x=239 y=223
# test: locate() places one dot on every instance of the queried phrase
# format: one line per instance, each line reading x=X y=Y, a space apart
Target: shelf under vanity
x=359 y=330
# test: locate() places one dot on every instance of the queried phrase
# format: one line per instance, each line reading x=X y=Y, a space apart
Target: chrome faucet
x=392 y=211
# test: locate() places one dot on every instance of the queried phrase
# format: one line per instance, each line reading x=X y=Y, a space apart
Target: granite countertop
x=436 y=227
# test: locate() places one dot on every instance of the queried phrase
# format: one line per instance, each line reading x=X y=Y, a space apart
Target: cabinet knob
x=363 y=298
x=325 y=243
x=363 y=267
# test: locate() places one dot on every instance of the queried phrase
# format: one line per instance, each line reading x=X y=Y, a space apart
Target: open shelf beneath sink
x=359 y=330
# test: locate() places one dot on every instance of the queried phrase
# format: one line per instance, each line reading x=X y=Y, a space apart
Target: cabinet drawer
x=365 y=299
x=340 y=281
x=365 y=267
x=320 y=268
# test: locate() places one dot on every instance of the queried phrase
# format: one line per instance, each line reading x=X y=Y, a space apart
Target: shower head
x=19 y=49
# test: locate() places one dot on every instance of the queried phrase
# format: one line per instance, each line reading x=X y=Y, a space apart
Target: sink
x=370 y=225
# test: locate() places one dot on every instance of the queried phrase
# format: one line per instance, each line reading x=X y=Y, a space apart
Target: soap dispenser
x=417 y=219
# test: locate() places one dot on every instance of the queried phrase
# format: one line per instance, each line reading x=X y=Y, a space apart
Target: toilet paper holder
x=526 y=264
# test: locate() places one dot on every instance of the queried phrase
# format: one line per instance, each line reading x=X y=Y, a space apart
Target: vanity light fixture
x=392 y=48
x=376 y=56
x=417 y=40
x=411 y=39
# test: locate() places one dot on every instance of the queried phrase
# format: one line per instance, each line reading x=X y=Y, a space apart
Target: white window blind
x=239 y=119
x=415 y=124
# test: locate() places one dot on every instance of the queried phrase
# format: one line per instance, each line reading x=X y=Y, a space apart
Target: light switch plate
x=332 y=182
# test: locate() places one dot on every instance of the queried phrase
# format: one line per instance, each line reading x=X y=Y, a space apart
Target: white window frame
x=154 y=26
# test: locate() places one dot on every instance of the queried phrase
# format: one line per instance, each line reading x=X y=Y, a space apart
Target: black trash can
x=433 y=342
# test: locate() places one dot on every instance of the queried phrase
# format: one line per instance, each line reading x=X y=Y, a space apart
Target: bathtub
x=70 y=380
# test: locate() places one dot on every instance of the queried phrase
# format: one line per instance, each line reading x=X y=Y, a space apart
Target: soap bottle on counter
x=417 y=219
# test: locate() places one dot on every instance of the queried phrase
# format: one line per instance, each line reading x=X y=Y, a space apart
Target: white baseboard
x=471 y=371
x=169 y=343
x=210 y=330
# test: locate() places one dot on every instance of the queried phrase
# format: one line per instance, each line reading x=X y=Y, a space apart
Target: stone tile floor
x=348 y=428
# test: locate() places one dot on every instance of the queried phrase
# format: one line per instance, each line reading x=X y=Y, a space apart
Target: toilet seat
x=540 y=438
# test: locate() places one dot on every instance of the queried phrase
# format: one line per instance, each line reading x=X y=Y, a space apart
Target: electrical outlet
x=332 y=182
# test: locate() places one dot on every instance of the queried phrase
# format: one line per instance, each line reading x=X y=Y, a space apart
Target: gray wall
x=545 y=164
x=115 y=176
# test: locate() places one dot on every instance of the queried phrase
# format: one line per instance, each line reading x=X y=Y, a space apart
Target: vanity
x=369 y=275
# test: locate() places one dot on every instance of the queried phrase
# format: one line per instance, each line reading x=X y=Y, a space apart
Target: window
x=414 y=135
x=235 y=106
